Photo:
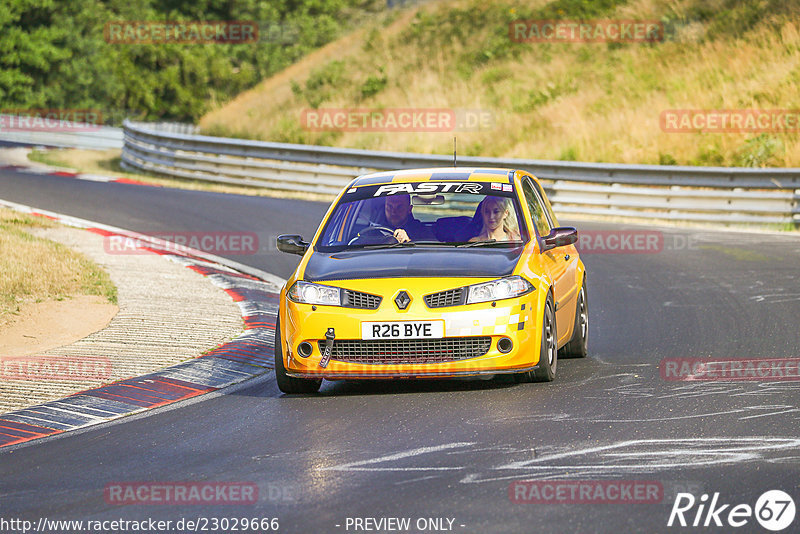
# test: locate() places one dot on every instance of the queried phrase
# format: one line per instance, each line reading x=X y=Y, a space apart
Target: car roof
x=461 y=174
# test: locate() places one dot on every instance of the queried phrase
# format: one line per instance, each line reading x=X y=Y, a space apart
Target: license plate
x=402 y=330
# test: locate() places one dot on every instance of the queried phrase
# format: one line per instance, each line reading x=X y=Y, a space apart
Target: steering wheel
x=386 y=232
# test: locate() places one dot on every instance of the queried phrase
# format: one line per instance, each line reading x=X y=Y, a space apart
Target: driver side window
x=536 y=208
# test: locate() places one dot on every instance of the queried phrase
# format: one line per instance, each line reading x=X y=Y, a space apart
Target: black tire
x=548 y=353
x=577 y=346
x=286 y=383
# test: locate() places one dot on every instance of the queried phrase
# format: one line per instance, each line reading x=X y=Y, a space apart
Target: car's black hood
x=391 y=263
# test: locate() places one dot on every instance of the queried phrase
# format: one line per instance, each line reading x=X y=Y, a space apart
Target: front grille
x=451 y=297
x=357 y=299
x=408 y=350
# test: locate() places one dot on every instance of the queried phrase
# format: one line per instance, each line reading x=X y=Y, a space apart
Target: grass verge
x=33 y=269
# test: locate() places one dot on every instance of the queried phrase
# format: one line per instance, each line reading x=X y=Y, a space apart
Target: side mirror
x=560 y=237
x=293 y=244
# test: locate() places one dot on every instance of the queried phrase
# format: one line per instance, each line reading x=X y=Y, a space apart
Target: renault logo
x=402 y=300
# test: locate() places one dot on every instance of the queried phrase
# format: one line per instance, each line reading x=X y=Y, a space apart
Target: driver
x=399 y=218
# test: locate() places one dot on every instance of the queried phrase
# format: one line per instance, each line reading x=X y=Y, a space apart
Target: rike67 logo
x=774 y=510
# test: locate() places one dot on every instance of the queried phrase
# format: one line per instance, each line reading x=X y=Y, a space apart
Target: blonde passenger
x=498 y=223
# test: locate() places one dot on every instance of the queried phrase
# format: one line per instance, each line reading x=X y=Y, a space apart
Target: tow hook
x=330 y=335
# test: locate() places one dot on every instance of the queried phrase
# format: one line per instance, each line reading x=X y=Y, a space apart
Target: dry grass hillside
x=568 y=101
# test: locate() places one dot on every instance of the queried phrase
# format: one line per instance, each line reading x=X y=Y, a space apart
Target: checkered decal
x=491 y=322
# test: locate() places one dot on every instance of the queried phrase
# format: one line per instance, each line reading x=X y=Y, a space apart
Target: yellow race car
x=423 y=273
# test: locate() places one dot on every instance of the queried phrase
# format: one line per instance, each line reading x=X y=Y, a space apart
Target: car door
x=560 y=262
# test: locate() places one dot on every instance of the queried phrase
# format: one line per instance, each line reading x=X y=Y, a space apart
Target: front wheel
x=289 y=384
x=548 y=353
x=577 y=346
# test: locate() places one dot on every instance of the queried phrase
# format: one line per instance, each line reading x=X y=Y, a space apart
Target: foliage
x=321 y=82
x=374 y=84
x=666 y=159
x=53 y=53
x=760 y=151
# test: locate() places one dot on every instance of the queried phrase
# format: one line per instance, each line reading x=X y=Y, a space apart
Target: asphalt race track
x=452 y=449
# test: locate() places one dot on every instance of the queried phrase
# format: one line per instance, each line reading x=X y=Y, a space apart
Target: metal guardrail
x=69 y=134
x=710 y=194
x=66 y=135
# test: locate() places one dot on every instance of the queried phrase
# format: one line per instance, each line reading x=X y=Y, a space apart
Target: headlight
x=504 y=288
x=308 y=293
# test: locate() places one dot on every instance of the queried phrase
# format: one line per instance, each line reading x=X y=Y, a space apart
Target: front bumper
x=408 y=375
x=517 y=319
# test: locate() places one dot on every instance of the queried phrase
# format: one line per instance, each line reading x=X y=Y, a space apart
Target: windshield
x=425 y=213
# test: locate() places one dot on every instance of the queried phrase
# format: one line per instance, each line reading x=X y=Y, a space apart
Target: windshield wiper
x=390 y=245
x=490 y=242
x=478 y=243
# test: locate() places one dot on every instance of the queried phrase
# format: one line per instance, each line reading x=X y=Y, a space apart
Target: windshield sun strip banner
x=477 y=175
x=428 y=188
